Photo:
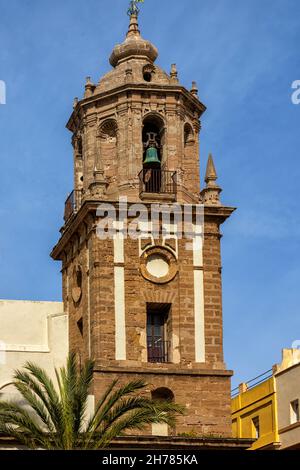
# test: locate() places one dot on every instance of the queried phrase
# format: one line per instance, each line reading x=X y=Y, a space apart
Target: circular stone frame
x=167 y=256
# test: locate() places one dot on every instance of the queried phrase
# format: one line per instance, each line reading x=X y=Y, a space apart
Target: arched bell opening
x=153 y=137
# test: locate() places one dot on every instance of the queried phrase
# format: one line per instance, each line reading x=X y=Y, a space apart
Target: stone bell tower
x=147 y=306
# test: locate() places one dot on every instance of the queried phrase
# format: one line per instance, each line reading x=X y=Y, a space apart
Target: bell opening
x=152 y=142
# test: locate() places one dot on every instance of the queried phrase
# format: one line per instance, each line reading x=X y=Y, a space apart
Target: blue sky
x=244 y=56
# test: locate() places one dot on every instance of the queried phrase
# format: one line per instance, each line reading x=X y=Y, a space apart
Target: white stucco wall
x=31 y=331
x=287 y=378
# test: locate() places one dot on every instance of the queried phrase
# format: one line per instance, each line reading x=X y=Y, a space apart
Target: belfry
x=148 y=306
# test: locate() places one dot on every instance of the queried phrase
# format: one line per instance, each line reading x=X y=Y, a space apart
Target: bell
x=151 y=157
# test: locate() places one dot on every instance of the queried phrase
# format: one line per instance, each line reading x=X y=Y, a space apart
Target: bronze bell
x=151 y=158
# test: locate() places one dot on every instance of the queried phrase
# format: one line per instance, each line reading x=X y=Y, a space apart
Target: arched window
x=161 y=394
x=153 y=136
x=153 y=141
x=148 y=72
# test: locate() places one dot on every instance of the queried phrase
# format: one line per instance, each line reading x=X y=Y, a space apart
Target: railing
x=72 y=204
x=158 y=350
x=158 y=181
x=253 y=383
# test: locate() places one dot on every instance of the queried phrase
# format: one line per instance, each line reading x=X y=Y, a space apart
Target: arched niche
x=78 y=160
x=148 y=72
x=154 y=134
x=189 y=135
x=190 y=155
x=77 y=278
x=161 y=394
x=108 y=147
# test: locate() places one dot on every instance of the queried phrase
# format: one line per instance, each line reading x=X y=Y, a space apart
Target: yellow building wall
x=259 y=402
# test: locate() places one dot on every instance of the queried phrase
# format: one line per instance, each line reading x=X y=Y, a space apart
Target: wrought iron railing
x=158 y=350
x=72 y=204
x=158 y=181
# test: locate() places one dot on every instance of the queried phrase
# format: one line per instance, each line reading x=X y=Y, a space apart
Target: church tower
x=145 y=306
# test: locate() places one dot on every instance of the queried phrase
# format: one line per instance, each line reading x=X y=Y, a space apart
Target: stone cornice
x=154 y=443
x=170 y=369
x=86 y=102
x=216 y=214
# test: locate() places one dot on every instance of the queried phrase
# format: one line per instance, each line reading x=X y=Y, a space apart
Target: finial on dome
x=133 y=12
x=133 y=9
x=133 y=29
x=134 y=45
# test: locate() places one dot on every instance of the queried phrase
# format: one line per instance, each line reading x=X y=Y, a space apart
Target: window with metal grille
x=157 y=332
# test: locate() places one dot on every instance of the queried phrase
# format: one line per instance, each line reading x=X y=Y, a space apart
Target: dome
x=134 y=46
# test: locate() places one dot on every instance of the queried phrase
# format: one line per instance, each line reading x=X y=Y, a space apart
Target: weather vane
x=133 y=8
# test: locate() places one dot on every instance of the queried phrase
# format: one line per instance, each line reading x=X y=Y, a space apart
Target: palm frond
x=114 y=397
x=138 y=420
x=100 y=403
x=16 y=418
x=42 y=385
x=36 y=404
x=57 y=417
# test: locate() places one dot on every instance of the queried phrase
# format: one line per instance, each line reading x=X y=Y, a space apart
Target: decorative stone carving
x=158 y=265
x=77 y=284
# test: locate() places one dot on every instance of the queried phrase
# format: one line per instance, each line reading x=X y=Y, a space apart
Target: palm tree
x=56 y=416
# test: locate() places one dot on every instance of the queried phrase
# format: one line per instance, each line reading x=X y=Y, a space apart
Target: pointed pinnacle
x=194 y=89
x=211 y=174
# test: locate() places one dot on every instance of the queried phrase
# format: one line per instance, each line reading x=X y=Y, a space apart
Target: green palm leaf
x=55 y=416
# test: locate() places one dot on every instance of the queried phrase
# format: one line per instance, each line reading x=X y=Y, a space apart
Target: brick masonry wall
x=207 y=399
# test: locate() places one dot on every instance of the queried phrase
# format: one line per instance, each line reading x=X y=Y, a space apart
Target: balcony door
x=157 y=341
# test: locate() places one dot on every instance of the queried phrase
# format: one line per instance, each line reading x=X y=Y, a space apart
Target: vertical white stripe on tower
x=119 y=277
x=199 y=295
x=120 y=326
x=88 y=296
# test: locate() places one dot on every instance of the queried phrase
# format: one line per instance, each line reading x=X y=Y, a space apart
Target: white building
x=30 y=331
x=287 y=375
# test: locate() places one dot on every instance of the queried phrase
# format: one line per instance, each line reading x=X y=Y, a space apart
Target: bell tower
x=147 y=305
